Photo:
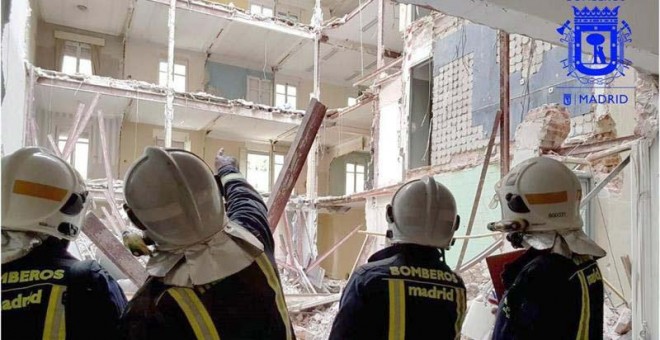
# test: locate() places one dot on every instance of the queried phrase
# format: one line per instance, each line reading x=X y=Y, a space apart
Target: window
x=80 y=156
x=260 y=91
x=420 y=115
x=180 y=140
x=352 y=101
x=285 y=96
x=278 y=163
x=77 y=58
x=354 y=178
x=585 y=212
x=261 y=10
x=179 y=75
x=258 y=171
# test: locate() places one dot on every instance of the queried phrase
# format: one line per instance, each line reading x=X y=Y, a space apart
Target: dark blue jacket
x=404 y=292
x=247 y=305
x=549 y=296
x=41 y=298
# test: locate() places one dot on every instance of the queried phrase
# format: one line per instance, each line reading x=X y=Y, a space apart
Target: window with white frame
x=278 y=163
x=354 y=178
x=180 y=140
x=180 y=70
x=258 y=171
x=259 y=91
x=261 y=10
x=80 y=156
x=352 y=101
x=289 y=15
x=77 y=58
x=285 y=96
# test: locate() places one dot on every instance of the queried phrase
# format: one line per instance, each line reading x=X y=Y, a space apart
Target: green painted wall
x=463 y=184
x=338 y=170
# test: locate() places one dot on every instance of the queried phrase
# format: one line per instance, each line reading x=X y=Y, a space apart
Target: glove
x=221 y=160
x=136 y=244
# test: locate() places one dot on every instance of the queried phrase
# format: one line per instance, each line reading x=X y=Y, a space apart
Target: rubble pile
x=314 y=324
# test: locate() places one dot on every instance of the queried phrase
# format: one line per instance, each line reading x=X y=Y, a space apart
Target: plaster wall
x=331 y=229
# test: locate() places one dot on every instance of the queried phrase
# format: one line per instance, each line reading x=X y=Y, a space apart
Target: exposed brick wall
x=452 y=129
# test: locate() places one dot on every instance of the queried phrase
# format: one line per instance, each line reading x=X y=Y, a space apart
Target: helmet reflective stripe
x=39 y=190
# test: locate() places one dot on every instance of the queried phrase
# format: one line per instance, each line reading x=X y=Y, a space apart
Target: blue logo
x=567 y=99
x=595 y=45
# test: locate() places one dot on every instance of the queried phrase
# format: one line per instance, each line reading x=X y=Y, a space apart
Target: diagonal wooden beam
x=111 y=247
x=294 y=161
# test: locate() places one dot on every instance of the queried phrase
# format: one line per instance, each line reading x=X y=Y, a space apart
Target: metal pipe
x=604 y=182
x=169 y=104
x=505 y=157
x=480 y=186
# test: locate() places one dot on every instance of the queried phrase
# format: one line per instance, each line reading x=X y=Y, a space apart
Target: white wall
x=14 y=54
x=389 y=166
x=143 y=58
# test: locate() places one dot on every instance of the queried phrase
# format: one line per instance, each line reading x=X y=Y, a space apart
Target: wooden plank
x=294 y=161
x=71 y=141
x=111 y=247
x=592 y=147
x=365 y=252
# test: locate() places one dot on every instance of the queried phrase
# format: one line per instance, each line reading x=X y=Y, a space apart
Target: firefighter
x=555 y=289
x=212 y=273
x=407 y=291
x=46 y=292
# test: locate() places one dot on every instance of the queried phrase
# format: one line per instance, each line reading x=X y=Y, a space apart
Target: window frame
x=289 y=99
x=78 y=56
x=262 y=91
x=268 y=169
x=354 y=174
x=184 y=75
x=83 y=139
x=261 y=10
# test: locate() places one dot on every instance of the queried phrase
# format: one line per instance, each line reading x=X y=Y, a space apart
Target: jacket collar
x=407 y=249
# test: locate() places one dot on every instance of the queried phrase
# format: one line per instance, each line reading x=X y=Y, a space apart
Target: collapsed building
x=410 y=88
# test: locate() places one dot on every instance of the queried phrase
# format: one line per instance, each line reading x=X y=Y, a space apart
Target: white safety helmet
x=42 y=193
x=423 y=212
x=173 y=196
x=539 y=194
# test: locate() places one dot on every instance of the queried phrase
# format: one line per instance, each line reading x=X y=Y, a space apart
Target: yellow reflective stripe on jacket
x=55 y=325
x=460 y=311
x=274 y=283
x=397 y=322
x=583 y=328
x=197 y=315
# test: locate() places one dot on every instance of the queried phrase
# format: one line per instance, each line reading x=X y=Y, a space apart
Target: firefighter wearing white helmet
x=407 y=290
x=212 y=272
x=555 y=289
x=44 y=202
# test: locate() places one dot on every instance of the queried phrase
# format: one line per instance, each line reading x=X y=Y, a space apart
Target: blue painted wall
x=482 y=42
x=230 y=81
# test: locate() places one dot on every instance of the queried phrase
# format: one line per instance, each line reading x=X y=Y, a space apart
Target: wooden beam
x=480 y=186
x=294 y=161
x=111 y=247
x=604 y=182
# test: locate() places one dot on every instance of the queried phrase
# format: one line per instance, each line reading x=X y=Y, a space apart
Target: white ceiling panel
x=103 y=16
x=149 y=112
x=233 y=127
x=55 y=99
x=366 y=26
